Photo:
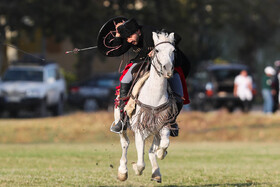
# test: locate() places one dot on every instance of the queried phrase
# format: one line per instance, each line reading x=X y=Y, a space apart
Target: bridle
x=159 y=72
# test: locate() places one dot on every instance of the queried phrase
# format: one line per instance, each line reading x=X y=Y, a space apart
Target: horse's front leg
x=156 y=176
x=122 y=171
x=158 y=149
x=164 y=143
x=140 y=144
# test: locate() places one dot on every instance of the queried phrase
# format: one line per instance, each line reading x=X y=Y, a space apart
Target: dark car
x=213 y=88
x=97 y=93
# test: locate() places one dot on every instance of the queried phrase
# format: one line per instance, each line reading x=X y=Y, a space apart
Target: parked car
x=212 y=88
x=97 y=93
x=35 y=87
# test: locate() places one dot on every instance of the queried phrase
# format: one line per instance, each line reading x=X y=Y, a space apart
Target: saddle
x=130 y=106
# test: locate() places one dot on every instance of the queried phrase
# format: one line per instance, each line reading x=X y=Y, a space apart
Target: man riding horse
x=128 y=35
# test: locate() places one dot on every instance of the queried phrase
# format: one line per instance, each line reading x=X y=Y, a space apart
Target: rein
x=159 y=72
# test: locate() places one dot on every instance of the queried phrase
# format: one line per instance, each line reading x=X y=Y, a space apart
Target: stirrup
x=174 y=132
x=113 y=124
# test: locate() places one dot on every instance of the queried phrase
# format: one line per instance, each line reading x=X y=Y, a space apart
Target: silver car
x=36 y=88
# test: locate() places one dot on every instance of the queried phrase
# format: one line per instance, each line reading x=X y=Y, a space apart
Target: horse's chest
x=153 y=95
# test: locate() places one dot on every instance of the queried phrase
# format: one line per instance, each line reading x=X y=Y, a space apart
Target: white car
x=33 y=87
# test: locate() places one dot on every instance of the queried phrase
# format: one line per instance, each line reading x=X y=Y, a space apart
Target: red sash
x=184 y=84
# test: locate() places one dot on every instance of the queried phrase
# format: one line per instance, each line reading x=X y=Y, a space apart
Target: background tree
x=211 y=29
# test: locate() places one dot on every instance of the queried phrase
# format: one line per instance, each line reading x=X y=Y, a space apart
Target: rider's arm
x=142 y=54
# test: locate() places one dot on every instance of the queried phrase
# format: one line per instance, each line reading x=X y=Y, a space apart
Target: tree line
x=245 y=31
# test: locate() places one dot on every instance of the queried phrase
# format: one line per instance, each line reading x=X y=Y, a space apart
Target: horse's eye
x=156 y=50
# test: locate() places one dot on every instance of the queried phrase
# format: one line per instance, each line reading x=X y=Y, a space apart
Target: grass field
x=188 y=164
x=94 y=127
x=213 y=149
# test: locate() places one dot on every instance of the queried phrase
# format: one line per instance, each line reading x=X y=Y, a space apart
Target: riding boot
x=174 y=131
x=124 y=89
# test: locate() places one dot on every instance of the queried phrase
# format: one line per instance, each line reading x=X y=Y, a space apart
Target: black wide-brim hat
x=128 y=28
x=106 y=36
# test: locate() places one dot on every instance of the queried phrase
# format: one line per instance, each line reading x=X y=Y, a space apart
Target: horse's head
x=164 y=53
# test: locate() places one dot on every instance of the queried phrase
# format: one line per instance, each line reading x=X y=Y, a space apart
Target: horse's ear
x=155 y=37
x=171 y=37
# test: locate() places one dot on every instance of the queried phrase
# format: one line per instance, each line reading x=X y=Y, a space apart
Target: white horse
x=154 y=110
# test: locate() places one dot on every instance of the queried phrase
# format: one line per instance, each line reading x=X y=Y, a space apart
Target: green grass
x=213 y=149
x=95 y=164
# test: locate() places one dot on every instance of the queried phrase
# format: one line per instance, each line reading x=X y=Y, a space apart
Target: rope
x=113 y=48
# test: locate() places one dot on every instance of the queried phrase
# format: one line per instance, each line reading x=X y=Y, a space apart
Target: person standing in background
x=275 y=87
x=267 y=90
x=243 y=88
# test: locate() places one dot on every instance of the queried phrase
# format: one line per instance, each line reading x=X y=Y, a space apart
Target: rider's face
x=134 y=38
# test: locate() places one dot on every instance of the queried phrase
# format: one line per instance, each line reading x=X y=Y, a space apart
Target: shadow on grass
x=216 y=185
x=226 y=184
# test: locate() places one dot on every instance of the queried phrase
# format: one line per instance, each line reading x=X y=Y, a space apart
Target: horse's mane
x=163 y=36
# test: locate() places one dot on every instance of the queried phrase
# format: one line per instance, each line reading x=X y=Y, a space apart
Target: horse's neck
x=154 y=91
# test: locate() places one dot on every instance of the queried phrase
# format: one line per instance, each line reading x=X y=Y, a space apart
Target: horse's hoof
x=138 y=170
x=156 y=178
x=161 y=153
x=122 y=176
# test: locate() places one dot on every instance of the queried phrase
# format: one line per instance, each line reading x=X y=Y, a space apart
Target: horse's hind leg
x=140 y=144
x=156 y=176
x=164 y=143
x=122 y=171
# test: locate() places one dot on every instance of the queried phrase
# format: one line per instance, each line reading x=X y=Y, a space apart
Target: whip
x=12 y=46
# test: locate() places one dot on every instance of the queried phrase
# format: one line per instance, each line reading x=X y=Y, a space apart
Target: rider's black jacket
x=146 y=44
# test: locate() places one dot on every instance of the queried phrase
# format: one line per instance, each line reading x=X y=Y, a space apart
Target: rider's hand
x=116 y=27
x=76 y=50
x=151 y=53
